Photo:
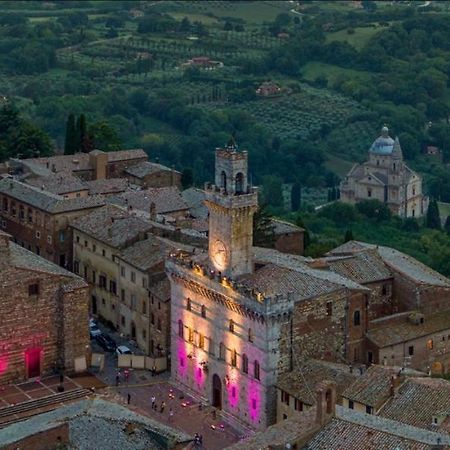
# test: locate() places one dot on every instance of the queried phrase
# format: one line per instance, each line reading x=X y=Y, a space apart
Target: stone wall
x=55 y=438
x=53 y=322
x=292 y=243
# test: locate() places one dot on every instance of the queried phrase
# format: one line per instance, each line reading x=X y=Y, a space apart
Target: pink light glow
x=254 y=400
x=200 y=377
x=233 y=394
x=182 y=358
x=3 y=364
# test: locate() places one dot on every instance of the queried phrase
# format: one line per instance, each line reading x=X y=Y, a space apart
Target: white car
x=94 y=330
x=123 y=350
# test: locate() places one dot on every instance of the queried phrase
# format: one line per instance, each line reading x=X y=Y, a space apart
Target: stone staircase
x=22 y=411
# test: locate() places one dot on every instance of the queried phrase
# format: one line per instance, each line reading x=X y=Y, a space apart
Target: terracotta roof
x=107 y=186
x=61 y=183
x=124 y=155
x=166 y=199
x=407 y=331
x=282 y=227
x=417 y=401
x=22 y=258
x=82 y=162
x=398 y=261
x=194 y=198
x=150 y=252
x=145 y=168
x=351 y=430
x=362 y=267
x=47 y=201
x=302 y=382
x=301 y=281
x=112 y=226
x=372 y=387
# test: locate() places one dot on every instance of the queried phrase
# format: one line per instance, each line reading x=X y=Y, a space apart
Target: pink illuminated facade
x=223 y=334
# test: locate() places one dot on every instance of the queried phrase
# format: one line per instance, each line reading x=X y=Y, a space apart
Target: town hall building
x=239 y=313
x=386 y=177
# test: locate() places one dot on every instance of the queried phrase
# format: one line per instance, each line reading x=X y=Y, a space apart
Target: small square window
x=33 y=290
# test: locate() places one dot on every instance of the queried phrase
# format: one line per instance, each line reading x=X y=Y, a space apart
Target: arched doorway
x=216 y=391
x=133 y=330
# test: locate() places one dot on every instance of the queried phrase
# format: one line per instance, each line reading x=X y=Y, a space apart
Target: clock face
x=219 y=255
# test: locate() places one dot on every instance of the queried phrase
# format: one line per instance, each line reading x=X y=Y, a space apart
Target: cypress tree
x=81 y=130
x=70 y=143
x=295 y=196
x=433 y=219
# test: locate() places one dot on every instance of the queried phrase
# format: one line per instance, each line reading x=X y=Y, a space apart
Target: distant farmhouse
x=385 y=177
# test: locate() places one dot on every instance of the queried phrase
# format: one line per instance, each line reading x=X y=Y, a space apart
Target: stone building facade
x=43 y=315
x=39 y=220
x=386 y=177
x=240 y=315
x=153 y=175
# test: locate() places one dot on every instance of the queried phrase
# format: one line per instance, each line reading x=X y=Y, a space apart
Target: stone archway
x=216 y=392
x=436 y=368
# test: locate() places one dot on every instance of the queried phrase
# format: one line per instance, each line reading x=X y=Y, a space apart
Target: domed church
x=385 y=177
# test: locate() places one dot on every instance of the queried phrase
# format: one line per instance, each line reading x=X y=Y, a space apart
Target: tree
x=374 y=209
x=263 y=228
x=273 y=191
x=296 y=193
x=348 y=236
x=187 y=178
x=433 y=219
x=70 y=143
x=81 y=129
x=102 y=136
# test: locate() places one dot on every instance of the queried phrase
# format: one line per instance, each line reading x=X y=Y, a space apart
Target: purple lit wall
x=254 y=400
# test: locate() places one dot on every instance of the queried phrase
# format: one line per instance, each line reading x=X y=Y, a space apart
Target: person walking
x=153 y=402
x=170 y=415
x=128 y=398
x=117 y=379
x=163 y=405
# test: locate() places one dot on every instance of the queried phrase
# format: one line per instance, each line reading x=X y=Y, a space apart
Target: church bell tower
x=231 y=202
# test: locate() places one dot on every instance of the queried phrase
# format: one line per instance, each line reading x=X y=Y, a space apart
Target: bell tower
x=231 y=202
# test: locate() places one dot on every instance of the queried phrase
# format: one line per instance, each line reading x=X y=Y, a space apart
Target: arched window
x=144 y=307
x=329 y=400
x=256 y=369
x=180 y=329
x=356 y=318
x=244 y=363
x=223 y=180
x=231 y=326
x=234 y=358
x=239 y=188
x=250 y=335
x=152 y=319
x=188 y=304
x=203 y=311
x=221 y=351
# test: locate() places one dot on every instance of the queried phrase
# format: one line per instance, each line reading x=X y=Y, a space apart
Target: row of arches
x=238 y=184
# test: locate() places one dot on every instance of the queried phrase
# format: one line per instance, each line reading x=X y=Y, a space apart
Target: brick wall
x=52 y=322
x=290 y=243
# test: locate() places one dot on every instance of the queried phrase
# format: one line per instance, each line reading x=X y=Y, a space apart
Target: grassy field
x=358 y=39
x=314 y=69
x=338 y=165
x=444 y=209
x=206 y=20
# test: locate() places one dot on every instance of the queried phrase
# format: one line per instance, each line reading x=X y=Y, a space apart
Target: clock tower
x=231 y=202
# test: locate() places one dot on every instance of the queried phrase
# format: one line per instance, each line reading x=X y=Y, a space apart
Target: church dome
x=384 y=144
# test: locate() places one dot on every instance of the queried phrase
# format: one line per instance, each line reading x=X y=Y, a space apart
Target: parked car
x=94 y=331
x=123 y=350
x=106 y=343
